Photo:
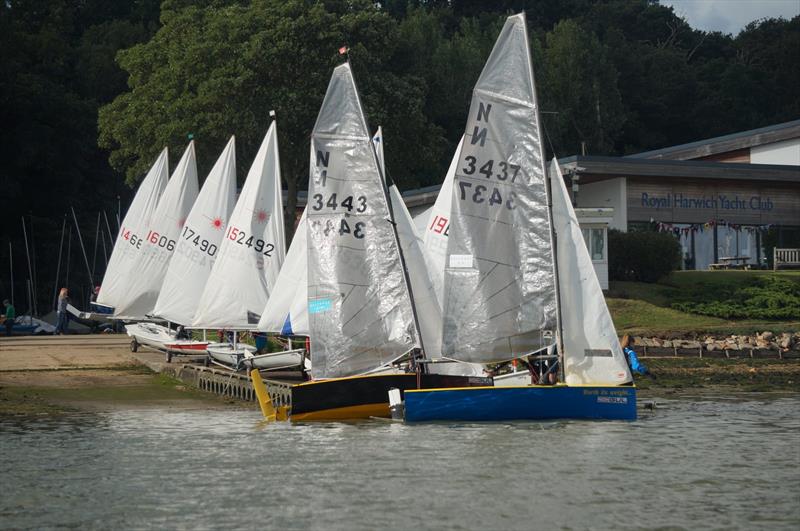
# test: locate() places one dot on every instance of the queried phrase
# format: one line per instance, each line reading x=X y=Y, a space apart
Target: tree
x=579 y=84
x=217 y=70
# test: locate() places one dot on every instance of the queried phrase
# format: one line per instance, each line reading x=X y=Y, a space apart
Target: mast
x=96 y=238
x=385 y=188
x=58 y=267
x=360 y=313
x=11 y=269
x=30 y=270
x=379 y=161
x=83 y=249
x=553 y=236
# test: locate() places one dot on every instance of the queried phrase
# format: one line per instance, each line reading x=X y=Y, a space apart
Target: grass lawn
x=644 y=309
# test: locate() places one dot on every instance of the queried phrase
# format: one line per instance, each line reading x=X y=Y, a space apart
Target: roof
x=691 y=169
x=726 y=143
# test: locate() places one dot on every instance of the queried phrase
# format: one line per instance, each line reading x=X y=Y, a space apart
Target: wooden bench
x=731 y=262
x=785 y=259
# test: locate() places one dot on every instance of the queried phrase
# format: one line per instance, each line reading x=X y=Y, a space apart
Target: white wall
x=611 y=193
x=786 y=152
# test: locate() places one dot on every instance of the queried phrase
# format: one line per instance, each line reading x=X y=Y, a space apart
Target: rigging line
x=83 y=249
x=28 y=255
x=547 y=136
x=34 y=283
x=69 y=254
x=108 y=228
x=363 y=307
x=96 y=237
x=105 y=251
x=58 y=267
x=475 y=216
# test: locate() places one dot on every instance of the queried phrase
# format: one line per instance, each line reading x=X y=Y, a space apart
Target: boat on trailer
x=157 y=336
x=518 y=277
x=248 y=263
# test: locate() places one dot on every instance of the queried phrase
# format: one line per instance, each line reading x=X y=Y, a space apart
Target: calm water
x=721 y=462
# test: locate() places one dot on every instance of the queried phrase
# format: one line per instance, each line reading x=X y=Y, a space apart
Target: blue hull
x=521 y=403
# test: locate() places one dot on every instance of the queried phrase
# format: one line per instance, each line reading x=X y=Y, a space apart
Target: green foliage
x=579 y=84
x=768 y=297
x=642 y=256
x=217 y=70
x=620 y=75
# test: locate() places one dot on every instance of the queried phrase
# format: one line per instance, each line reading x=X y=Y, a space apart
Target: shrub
x=764 y=298
x=642 y=256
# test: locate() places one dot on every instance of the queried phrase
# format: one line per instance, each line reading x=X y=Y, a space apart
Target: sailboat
x=250 y=257
x=115 y=291
x=364 y=332
x=158 y=247
x=423 y=272
x=196 y=250
x=286 y=311
x=519 y=278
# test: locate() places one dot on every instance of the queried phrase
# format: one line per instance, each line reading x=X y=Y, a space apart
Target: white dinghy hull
x=162 y=338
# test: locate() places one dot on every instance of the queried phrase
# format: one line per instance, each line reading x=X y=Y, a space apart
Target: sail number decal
x=505 y=169
x=482 y=194
x=440 y=225
x=204 y=245
x=131 y=238
x=162 y=241
x=331 y=203
x=331 y=228
x=258 y=245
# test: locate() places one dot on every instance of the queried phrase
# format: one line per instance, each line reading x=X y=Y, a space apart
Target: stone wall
x=765 y=344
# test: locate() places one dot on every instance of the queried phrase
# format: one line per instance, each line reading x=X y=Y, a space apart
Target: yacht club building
x=723 y=197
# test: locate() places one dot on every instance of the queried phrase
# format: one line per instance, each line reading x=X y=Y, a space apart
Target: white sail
x=286 y=312
x=199 y=241
x=499 y=289
x=429 y=312
x=161 y=237
x=252 y=251
x=438 y=227
x=592 y=353
x=119 y=277
x=360 y=312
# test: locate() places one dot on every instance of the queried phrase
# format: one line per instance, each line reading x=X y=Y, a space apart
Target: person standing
x=61 y=309
x=11 y=315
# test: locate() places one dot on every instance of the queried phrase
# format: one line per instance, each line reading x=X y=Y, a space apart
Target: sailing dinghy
x=159 y=244
x=250 y=258
x=286 y=311
x=518 y=277
x=360 y=313
x=423 y=272
x=196 y=250
x=119 y=279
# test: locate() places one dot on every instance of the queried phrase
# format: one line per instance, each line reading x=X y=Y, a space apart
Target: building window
x=595 y=240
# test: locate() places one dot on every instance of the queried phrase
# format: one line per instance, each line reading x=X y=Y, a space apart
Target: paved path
x=21 y=353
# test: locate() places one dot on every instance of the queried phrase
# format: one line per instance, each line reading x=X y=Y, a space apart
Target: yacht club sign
x=678 y=200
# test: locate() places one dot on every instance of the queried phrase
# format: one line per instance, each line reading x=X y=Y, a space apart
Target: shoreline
x=37 y=392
